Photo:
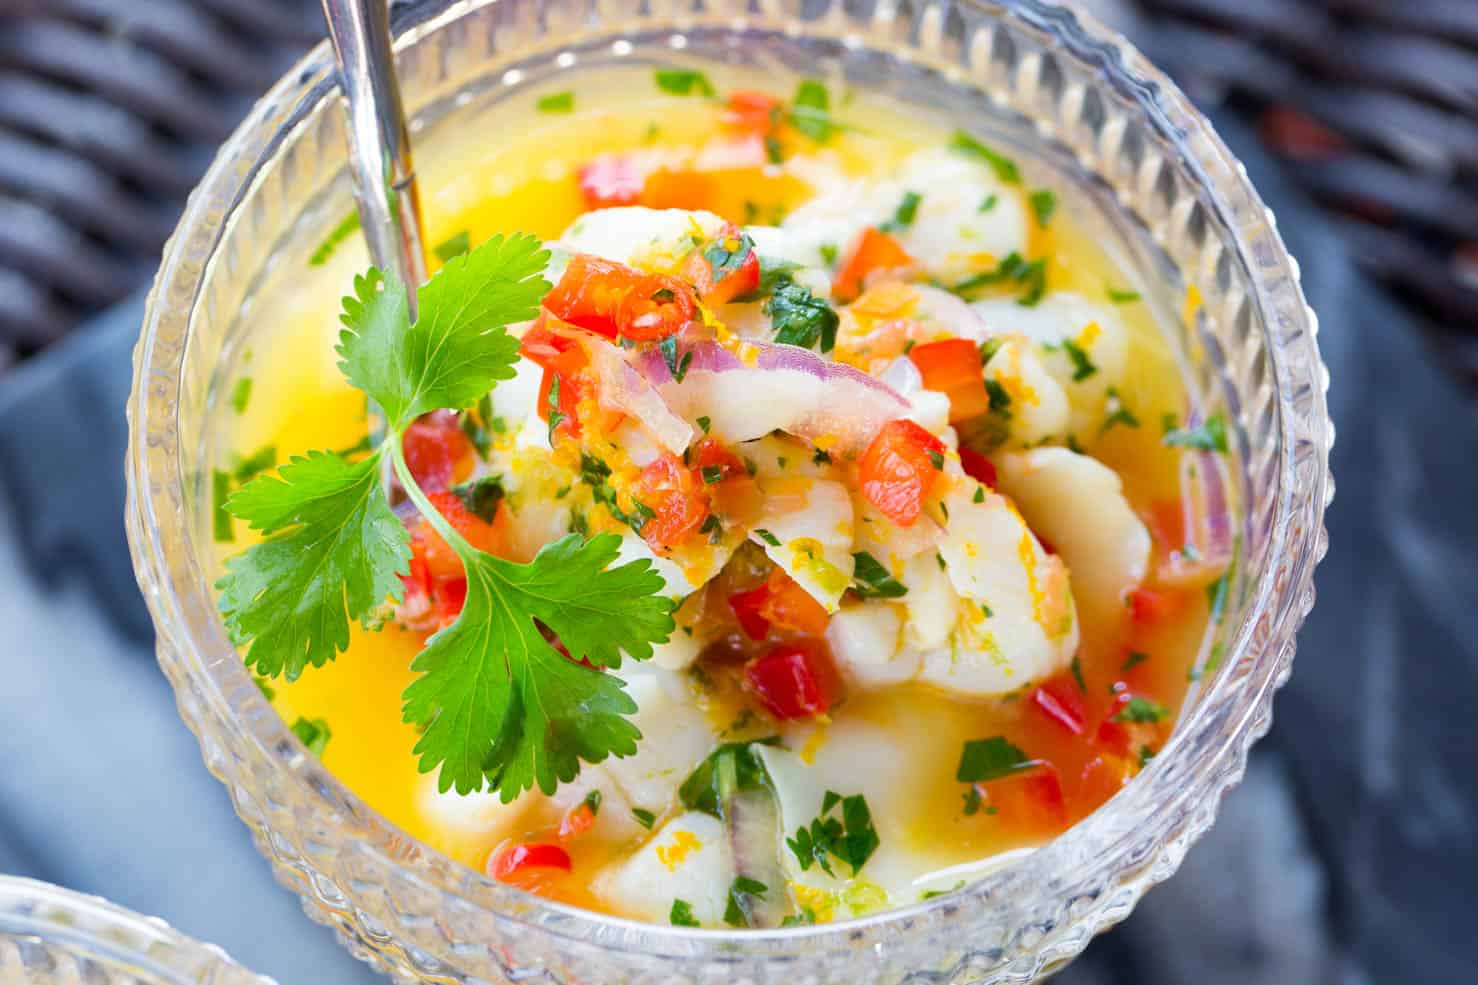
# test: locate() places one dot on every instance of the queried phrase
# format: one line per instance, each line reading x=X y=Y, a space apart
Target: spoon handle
x=379 y=143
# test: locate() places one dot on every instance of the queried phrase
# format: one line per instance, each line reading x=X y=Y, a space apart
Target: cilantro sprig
x=499 y=706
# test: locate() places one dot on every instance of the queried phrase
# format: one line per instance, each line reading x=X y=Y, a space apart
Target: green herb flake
x=681 y=914
x=1077 y=669
x=872 y=581
x=704 y=424
x=984 y=760
x=805 y=918
x=1000 y=397
x=929 y=894
x=241 y=395
x=1083 y=367
x=557 y=102
x=264 y=459
x=979 y=494
x=313 y=733
x=774 y=152
x=223 y=528
x=592 y=800
x=1043 y=203
x=644 y=817
x=1122 y=296
x=684 y=82
x=346 y=228
x=766 y=536
x=741 y=893
x=829 y=253
x=821 y=457
x=811 y=111
x=850 y=838
x=972 y=803
x=903 y=216
x=712 y=474
x=452 y=246
x=1118 y=413
x=1141 y=711
x=989 y=202
x=1211 y=435
x=1005 y=168
x=1135 y=658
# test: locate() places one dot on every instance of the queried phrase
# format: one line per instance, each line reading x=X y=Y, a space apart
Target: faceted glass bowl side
x=1035 y=77
x=51 y=936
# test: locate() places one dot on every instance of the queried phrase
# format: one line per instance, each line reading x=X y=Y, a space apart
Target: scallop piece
x=865 y=640
x=675 y=737
x=1016 y=621
x=781 y=455
x=1095 y=334
x=1078 y=504
x=688 y=859
x=639 y=236
x=515 y=400
x=807 y=530
x=933 y=605
x=1038 y=409
x=684 y=571
x=480 y=816
x=831 y=219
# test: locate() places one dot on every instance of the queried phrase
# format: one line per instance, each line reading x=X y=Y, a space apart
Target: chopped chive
x=1122 y=297
x=241 y=395
x=684 y=82
x=1043 y=202
x=557 y=102
x=452 y=246
x=341 y=232
x=220 y=491
x=1003 y=166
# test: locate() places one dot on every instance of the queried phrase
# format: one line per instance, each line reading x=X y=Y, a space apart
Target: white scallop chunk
x=1016 y=622
x=933 y=605
x=927 y=408
x=675 y=737
x=1093 y=330
x=514 y=400
x=633 y=548
x=864 y=638
x=481 y=816
x=950 y=236
x=1078 y=504
x=1039 y=408
x=638 y=235
x=678 y=653
x=689 y=858
x=613 y=818
x=781 y=454
x=807 y=529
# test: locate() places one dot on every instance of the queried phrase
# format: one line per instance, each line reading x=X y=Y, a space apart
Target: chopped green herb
x=644 y=817
x=828 y=254
x=1135 y=658
x=1077 y=668
x=267 y=690
x=1122 y=297
x=592 y=800
x=1000 y=397
x=821 y=457
x=811 y=111
x=766 y=536
x=726 y=259
x=220 y=491
x=929 y=894
x=774 y=153
x=741 y=895
x=478 y=425
x=989 y=348
x=852 y=838
x=983 y=760
x=940 y=558
x=987 y=611
x=936 y=458
x=684 y=82
x=1082 y=366
x=481 y=496
x=872 y=581
x=452 y=246
x=730 y=769
x=805 y=918
x=557 y=102
x=1118 y=413
x=780 y=462
x=264 y=459
x=681 y=914
x=979 y=494
x=313 y=733
x=712 y=474
x=677 y=364
x=1208 y=436
x=1169 y=422
x=704 y=424
x=346 y=228
x=990 y=201
x=1218 y=591
x=1005 y=168
x=1145 y=755
x=241 y=395
x=972 y=801
x=1043 y=202
x=903 y=216
x=1141 y=711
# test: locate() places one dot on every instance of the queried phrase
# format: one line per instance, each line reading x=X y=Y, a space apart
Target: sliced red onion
x=950 y=311
x=624 y=389
x=769 y=386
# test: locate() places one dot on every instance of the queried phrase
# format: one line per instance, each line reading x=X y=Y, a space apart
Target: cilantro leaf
x=1141 y=710
x=557 y=102
x=1005 y=168
x=457 y=350
x=681 y=914
x=684 y=82
x=983 y=760
x=872 y=580
x=499 y=703
x=811 y=111
x=333 y=552
x=852 y=838
x=800 y=318
x=1209 y=436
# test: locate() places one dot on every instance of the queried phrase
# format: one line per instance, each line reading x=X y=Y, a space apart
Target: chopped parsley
x=1077 y=669
x=989 y=202
x=264 y=459
x=644 y=817
x=592 y=800
x=1122 y=297
x=936 y=458
x=222 y=527
x=1029 y=277
x=452 y=246
x=313 y=733
x=821 y=457
x=774 y=153
x=850 y=838
x=684 y=82
x=1210 y=435
x=479 y=425
x=1005 y=168
x=979 y=496
x=712 y=474
x=676 y=364
x=805 y=918
x=726 y=255
x=829 y=253
x=732 y=768
x=929 y=894
x=1118 y=413
x=481 y=496
x=1083 y=367
x=1218 y=591
x=971 y=806
x=1135 y=658
x=241 y=395
x=681 y=914
x=742 y=893
x=1043 y=202
x=346 y=228
x=810 y=112
x=872 y=581
x=766 y=536
x=1141 y=711
x=984 y=760
x=1000 y=397
x=704 y=424
x=1145 y=755
x=800 y=318
x=557 y=102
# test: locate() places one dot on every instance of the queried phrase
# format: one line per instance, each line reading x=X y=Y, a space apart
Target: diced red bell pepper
x=752 y=111
x=517 y=863
x=1102 y=777
x=441 y=561
x=875 y=250
x=899 y=469
x=1032 y=798
x=563 y=360
x=793 y=680
x=589 y=293
x=978 y=467
x=436 y=450
x=779 y=601
x=673 y=496
x=1150 y=606
x=742 y=279
x=748 y=607
x=578 y=820
x=1061 y=701
x=654 y=308
x=952 y=367
x=609 y=180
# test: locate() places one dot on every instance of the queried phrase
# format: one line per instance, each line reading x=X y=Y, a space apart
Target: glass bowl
x=52 y=936
x=1059 y=90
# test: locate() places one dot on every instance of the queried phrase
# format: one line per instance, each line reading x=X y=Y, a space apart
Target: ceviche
x=778 y=510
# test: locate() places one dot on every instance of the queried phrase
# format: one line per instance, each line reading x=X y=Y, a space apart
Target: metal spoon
x=385 y=188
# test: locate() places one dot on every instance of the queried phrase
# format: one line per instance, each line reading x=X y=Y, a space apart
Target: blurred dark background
x=1347 y=856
